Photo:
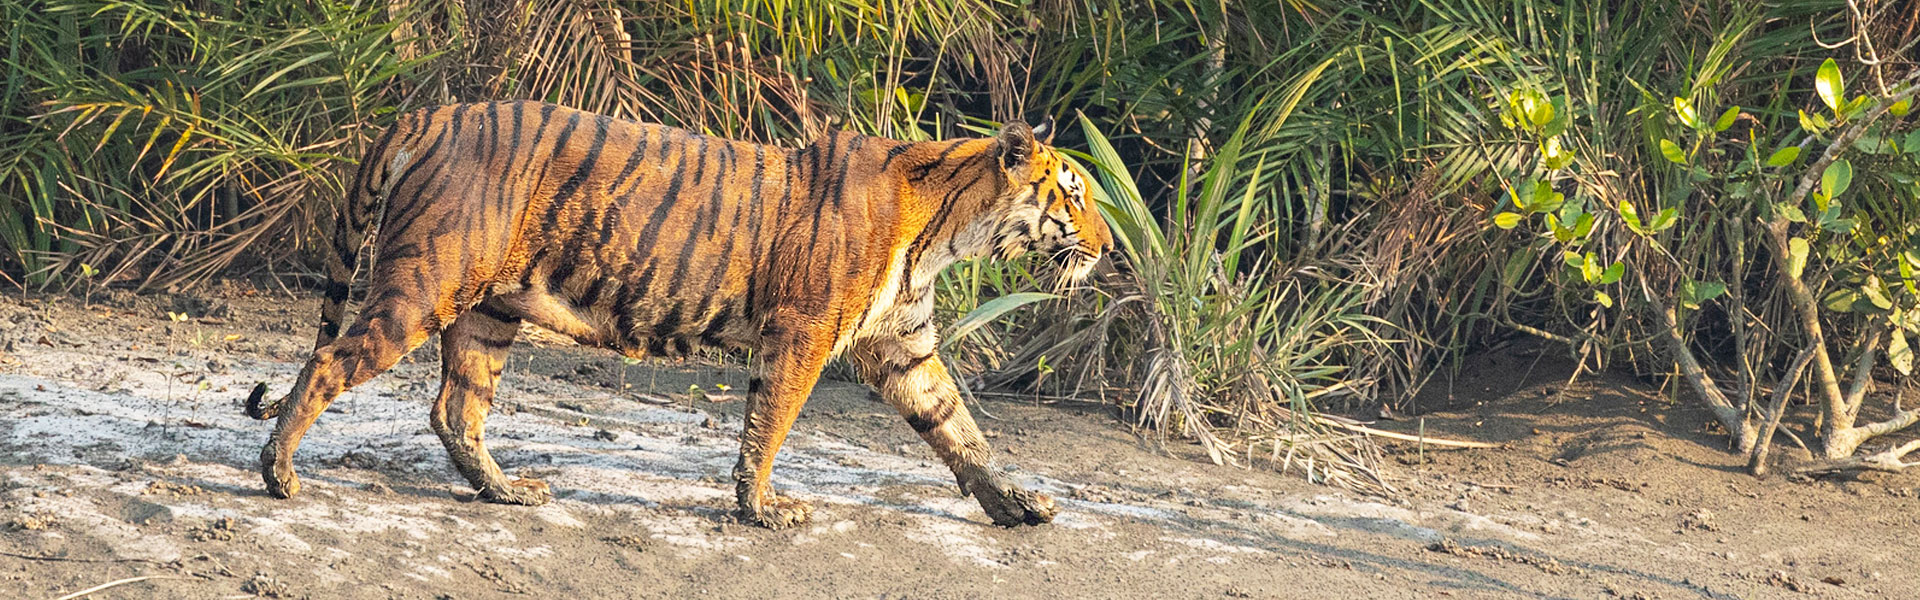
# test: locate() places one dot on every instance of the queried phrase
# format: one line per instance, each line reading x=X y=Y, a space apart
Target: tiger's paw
x=522 y=492
x=281 y=481
x=777 y=512
x=1009 y=505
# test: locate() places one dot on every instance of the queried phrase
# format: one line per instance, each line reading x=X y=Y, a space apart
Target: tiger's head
x=1047 y=207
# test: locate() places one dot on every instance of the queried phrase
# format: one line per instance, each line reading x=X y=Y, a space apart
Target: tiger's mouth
x=1073 y=264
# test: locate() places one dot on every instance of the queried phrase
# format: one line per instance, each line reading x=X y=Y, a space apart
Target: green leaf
x=1828 y=84
x=1900 y=109
x=1558 y=124
x=1836 y=178
x=1554 y=155
x=1687 y=115
x=1539 y=111
x=1796 y=257
x=1506 y=220
x=1784 y=156
x=1726 y=119
x=990 y=310
x=1672 y=151
x=1590 y=269
x=1613 y=273
x=1876 y=294
x=1573 y=259
x=1564 y=233
x=1603 y=298
x=1791 y=212
x=1632 y=216
x=1811 y=123
x=1899 y=354
x=1906 y=280
x=1663 y=220
x=1857 y=106
x=1841 y=300
x=1695 y=293
x=1545 y=199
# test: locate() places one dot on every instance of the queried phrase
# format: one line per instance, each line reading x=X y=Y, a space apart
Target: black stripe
x=650 y=236
x=724 y=263
x=412 y=167
x=893 y=153
x=929 y=421
x=669 y=324
x=816 y=193
x=700 y=170
x=559 y=146
x=920 y=172
x=711 y=334
x=638 y=154
x=493 y=131
x=370 y=165
x=840 y=179
x=587 y=163
x=570 y=255
x=454 y=379
x=592 y=294
x=492 y=343
x=923 y=326
x=911 y=364
x=701 y=214
x=492 y=311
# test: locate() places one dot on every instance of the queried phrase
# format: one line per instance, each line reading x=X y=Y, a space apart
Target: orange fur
x=650 y=240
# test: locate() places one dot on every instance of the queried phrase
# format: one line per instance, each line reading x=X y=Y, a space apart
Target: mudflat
x=125 y=460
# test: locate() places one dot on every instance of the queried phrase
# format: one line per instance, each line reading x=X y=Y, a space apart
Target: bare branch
x=1887 y=461
x=1758 y=464
x=1863 y=371
x=1733 y=418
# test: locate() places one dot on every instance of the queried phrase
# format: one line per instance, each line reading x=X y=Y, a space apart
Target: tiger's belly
x=671 y=327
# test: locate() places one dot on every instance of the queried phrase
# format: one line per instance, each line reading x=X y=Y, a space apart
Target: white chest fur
x=883 y=307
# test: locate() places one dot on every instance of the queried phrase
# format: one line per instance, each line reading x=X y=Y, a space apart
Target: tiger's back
x=644 y=238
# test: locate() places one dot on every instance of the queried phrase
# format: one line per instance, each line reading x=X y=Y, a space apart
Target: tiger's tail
x=365 y=198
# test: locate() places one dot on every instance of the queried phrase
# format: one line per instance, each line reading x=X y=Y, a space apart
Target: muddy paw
x=524 y=492
x=777 y=512
x=282 y=482
x=1011 y=506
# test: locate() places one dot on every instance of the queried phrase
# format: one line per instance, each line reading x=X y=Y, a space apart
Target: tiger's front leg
x=911 y=377
x=789 y=365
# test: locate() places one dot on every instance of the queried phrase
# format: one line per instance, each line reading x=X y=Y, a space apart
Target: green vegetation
x=1321 y=205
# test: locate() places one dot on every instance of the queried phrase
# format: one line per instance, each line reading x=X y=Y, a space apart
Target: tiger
x=651 y=240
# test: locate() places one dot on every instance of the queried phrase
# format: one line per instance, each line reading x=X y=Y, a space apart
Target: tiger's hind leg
x=910 y=376
x=472 y=351
x=388 y=328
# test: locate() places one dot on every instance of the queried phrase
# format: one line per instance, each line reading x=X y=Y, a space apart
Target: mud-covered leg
x=911 y=377
x=472 y=351
x=384 y=333
x=777 y=387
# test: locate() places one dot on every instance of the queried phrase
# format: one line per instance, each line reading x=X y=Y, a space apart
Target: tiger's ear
x=1016 y=146
x=1044 y=131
